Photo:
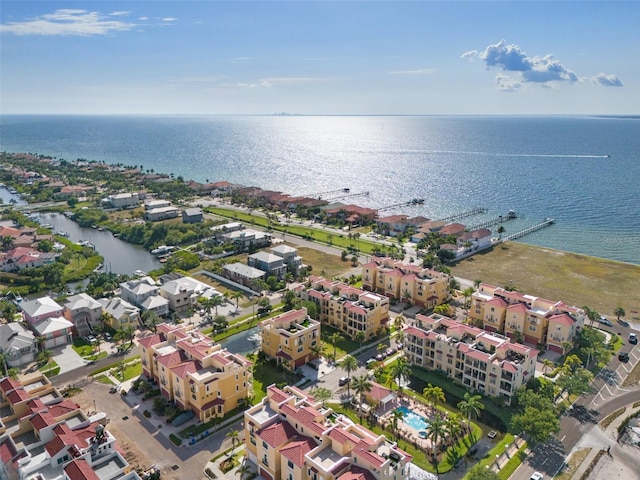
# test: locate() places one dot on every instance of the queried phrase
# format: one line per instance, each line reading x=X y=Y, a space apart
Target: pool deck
x=407 y=432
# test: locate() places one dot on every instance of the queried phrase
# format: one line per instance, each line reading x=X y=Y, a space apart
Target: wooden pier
x=495 y=221
x=468 y=213
x=527 y=231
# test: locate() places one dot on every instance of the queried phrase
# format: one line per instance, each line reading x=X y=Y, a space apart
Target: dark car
x=633 y=338
x=623 y=357
x=343 y=381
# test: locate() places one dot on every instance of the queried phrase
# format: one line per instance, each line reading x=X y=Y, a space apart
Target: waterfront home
x=144 y=293
x=69 y=191
x=192 y=215
x=19 y=236
x=242 y=274
x=475 y=239
x=223 y=188
x=21 y=258
x=121 y=314
x=527 y=317
x=455 y=229
x=183 y=293
x=479 y=360
x=123 y=200
x=392 y=225
x=290 y=337
x=352 y=214
x=291 y=436
x=269 y=263
x=347 y=308
x=46 y=318
x=161 y=213
x=194 y=372
x=219 y=230
x=153 y=204
x=413 y=284
x=17 y=344
x=84 y=311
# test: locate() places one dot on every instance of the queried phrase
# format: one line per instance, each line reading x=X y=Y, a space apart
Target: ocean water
x=582 y=171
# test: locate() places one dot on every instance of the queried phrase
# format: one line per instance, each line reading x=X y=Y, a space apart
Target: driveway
x=67 y=358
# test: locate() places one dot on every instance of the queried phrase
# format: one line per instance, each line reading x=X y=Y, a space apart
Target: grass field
x=324 y=264
x=556 y=275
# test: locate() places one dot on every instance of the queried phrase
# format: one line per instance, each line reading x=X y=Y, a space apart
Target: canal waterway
x=119 y=256
x=243 y=342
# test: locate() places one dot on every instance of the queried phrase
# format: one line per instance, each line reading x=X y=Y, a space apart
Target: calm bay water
x=582 y=171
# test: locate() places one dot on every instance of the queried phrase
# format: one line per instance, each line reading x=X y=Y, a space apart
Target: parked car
x=107 y=336
x=633 y=338
x=390 y=351
x=380 y=357
x=623 y=357
x=605 y=321
x=537 y=476
x=399 y=345
x=91 y=339
x=343 y=381
x=370 y=363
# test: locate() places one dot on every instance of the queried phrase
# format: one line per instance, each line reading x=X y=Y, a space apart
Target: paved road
x=579 y=421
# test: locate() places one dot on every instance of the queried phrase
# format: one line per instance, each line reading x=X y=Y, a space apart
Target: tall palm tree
x=546 y=364
x=454 y=423
x=7 y=242
x=360 y=337
x=471 y=406
x=591 y=313
x=361 y=386
x=334 y=338
x=398 y=322
x=233 y=435
x=396 y=416
x=400 y=371
x=236 y=295
x=500 y=231
x=151 y=320
x=349 y=364
x=436 y=430
x=317 y=349
x=467 y=292
x=244 y=470
x=434 y=395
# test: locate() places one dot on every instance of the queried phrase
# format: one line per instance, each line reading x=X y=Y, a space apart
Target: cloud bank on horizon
x=545 y=71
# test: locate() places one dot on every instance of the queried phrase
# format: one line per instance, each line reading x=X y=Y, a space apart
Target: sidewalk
x=598 y=439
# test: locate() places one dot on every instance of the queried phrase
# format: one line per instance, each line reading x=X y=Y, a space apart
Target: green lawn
x=50 y=369
x=265 y=374
x=344 y=346
x=82 y=347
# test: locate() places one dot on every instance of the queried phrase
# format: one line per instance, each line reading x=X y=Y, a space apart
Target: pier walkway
x=526 y=231
x=468 y=213
x=494 y=221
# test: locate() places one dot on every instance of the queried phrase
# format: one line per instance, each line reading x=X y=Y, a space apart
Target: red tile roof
x=296 y=450
x=277 y=433
x=362 y=450
x=562 y=319
x=151 y=340
x=42 y=420
x=356 y=473
x=18 y=395
x=8 y=384
x=7 y=451
x=276 y=394
x=80 y=470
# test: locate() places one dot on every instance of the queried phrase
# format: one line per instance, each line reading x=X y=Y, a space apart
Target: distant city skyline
x=319 y=58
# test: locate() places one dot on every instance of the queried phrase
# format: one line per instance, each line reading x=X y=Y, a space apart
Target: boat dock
x=468 y=213
x=511 y=215
x=527 y=231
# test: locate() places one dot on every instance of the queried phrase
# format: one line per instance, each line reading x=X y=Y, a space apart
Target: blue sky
x=319 y=57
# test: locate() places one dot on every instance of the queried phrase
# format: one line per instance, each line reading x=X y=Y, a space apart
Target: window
x=290 y=464
x=265 y=445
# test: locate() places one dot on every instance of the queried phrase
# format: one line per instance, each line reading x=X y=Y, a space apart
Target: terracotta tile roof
x=276 y=394
x=362 y=450
x=80 y=470
x=277 y=433
x=415 y=331
x=213 y=403
x=62 y=408
x=18 y=395
x=60 y=442
x=562 y=319
x=283 y=354
x=378 y=392
x=42 y=420
x=356 y=473
x=296 y=450
x=151 y=340
x=509 y=367
x=172 y=359
x=306 y=416
x=496 y=301
x=183 y=369
x=341 y=435
x=8 y=384
x=521 y=307
x=7 y=451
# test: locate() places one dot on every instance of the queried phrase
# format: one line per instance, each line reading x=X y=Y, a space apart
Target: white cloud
x=276 y=81
x=607 y=80
x=69 y=22
x=511 y=58
x=169 y=19
x=422 y=71
x=119 y=14
x=240 y=59
x=142 y=19
x=471 y=54
x=506 y=83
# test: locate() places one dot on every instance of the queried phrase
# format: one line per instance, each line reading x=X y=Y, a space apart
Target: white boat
x=139 y=273
x=161 y=250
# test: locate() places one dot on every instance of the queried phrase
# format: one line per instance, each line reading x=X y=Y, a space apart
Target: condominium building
x=290 y=338
x=194 y=372
x=422 y=287
x=290 y=435
x=348 y=308
x=529 y=319
x=481 y=361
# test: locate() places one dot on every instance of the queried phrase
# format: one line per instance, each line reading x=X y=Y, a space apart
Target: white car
x=537 y=476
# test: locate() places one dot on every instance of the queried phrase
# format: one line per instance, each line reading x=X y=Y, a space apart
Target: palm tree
x=453 y=285
x=592 y=314
x=566 y=346
x=244 y=470
x=151 y=320
x=619 y=312
x=233 y=435
x=381 y=348
x=349 y=364
x=546 y=364
x=44 y=356
x=399 y=371
x=396 y=416
x=317 y=349
x=454 y=423
x=500 y=231
x=471 y=406
x=467 y=292
x=7 y=242
x=436 y=430
x=236 y=295
x=398 y=322
x=334 y=338
x=360 y=337
x=361 y=386
x=434 y=395
x=477 y=282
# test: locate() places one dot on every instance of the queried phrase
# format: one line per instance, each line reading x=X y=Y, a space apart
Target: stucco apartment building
x=533 y=320
x=289 y=338
x=481 y=361
x=194 y=372
x=348 y=308
x=290 y=435
x=422 y=287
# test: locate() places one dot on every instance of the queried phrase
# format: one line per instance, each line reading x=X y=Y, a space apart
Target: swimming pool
x=414 y=420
